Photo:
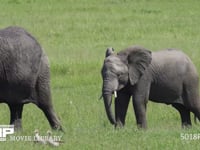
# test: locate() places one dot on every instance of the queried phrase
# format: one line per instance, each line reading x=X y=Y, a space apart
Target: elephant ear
x=138 y=60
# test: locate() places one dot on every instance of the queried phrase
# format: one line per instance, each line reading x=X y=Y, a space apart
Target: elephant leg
x=196 y=110
x=185 y=115
x=191 y=96
x=140 y=99
x=140 y=112
x=51 y=116
x=44 y=100
x=16 y=115
x=121 y=106
x=45 y=104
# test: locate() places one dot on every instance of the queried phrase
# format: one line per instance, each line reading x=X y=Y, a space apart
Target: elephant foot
x=186 y=125
x=58 y=128
x=119 y=125
x=142 y=126
x=17 y=125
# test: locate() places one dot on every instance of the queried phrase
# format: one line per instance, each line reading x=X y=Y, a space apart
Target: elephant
x=167 y=76
x=24 y=76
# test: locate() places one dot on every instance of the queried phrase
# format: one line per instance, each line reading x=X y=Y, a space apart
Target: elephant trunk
x=107 y=103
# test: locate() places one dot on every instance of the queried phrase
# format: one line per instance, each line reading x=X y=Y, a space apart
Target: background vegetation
x=75 y=35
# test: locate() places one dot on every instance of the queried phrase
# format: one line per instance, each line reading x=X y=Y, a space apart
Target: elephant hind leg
x=195 y=119
x=44 y=102
x=184 y=113
x=51 y=116
x=196 y=111
x=191 y=97
x=194 y=102
x=16 y=115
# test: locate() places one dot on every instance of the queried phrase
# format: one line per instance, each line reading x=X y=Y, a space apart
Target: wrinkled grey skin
x=24 y=75
x=167 y=76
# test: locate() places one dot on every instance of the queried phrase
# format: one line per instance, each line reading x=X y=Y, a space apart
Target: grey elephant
x=166 y=76
x=24 y=75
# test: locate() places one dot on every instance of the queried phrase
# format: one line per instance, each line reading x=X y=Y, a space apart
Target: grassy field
x=75 y=35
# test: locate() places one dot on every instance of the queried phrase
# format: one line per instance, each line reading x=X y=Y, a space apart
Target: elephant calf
x=24 y=75
x=167 y=76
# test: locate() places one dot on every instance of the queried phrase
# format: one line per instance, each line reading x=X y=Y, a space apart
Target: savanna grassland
x=75 y=35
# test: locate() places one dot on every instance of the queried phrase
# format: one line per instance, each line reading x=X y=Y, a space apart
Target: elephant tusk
x=115 y=94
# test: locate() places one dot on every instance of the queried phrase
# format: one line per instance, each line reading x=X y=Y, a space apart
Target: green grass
x=75 y=35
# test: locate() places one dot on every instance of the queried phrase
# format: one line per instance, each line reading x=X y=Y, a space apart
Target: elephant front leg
x=140 y=112
x=121 y=106
x=140 y=99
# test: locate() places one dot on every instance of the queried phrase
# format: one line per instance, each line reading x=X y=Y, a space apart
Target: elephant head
x=121 y=69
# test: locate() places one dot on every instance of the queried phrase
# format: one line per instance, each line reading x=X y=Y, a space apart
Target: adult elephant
x=24 y=75
x=166 y=76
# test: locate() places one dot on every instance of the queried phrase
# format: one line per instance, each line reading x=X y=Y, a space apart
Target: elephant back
x=20 y=58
